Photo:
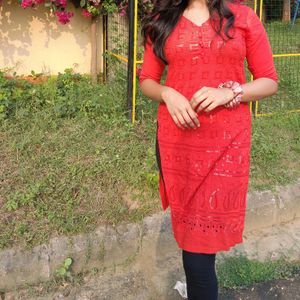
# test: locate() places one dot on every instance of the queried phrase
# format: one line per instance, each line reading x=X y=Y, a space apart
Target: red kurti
x=204 y=172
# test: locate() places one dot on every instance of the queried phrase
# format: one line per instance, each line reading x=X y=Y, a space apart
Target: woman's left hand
x=208 y=98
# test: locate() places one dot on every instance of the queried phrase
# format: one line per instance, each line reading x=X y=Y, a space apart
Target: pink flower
x=123 y=13
x=86 y=13
x=64 y=16
x=123 y=9
x=63 y=3
x=27 y=3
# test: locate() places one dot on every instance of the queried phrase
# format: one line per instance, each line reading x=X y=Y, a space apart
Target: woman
x=204 y=122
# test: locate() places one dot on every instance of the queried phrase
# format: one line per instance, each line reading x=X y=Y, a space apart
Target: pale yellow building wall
x=32 y=39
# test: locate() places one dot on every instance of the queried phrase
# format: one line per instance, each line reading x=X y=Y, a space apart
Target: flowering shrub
x=123 y=5
x=144 y=7
x=89 y=8
x=64 y=16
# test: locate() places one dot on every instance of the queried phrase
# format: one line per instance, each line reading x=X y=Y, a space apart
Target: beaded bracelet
x=237 y=91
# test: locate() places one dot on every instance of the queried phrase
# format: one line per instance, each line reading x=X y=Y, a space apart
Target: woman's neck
x=197 y=4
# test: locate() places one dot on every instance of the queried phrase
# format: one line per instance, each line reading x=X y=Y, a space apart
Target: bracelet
x=237 y=91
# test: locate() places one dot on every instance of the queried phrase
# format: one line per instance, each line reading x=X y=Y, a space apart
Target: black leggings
x=201 y=279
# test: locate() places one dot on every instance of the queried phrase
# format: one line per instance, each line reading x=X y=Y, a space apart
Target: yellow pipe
x=286 y=55
x=251 y=103
x=256 y=108
x=135 y=25
x=118 y=56
x=270 y=114
x=251 y=77
x=260 y=17
x=260 y=9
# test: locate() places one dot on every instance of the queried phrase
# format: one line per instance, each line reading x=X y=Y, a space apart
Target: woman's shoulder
x=240 y=8
x=242 y=12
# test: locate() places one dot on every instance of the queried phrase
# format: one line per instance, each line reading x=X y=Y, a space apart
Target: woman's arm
x=151 y=72
x=260 y=60
x=153 y=90
x=259 y=89
x=178 y=106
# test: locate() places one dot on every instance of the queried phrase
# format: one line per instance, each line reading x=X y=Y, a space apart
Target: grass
x=68 y=175
x=283 y=40
x=65 y=175
x=241 y=272
x=275 y=150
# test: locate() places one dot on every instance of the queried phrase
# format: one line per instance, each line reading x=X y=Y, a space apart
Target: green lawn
x=240 y=272
x=65 y=171
x=70 y=160
x=283 y=40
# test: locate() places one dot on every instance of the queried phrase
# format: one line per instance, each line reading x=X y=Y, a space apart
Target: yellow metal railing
x=256 y=113
x=136 y=62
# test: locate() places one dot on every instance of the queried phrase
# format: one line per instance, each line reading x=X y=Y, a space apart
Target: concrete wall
x=147 y=250
x=32 y=39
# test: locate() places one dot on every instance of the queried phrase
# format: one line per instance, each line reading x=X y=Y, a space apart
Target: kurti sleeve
x=152 y=66
x=258 y=49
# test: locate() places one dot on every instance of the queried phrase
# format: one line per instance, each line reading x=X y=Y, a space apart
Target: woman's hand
x=208 y=98
x=180 y=109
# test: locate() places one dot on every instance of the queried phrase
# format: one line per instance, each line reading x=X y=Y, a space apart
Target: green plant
x=65 y=270
x=14 y=94
x=151 y=172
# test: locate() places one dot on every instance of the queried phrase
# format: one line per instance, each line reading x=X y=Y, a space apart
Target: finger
x=204 y=104
x=188 y=119
x=182 y=120
x=176 y=121
x=197 y=94
x=200 y=91
x=198 y=100
x=210 y=107
x=194 y=116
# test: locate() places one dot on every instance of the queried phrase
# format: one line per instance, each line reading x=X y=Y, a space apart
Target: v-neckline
x=193 y=23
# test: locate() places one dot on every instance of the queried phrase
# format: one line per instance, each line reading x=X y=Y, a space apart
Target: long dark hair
x=165 y=15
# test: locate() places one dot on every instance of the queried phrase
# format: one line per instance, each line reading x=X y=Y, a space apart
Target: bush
x=66 y=96
x=14 y=94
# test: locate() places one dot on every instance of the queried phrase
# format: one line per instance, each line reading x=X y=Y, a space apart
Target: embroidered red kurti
x=204 y=172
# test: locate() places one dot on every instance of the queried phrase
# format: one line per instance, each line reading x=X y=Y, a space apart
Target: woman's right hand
x=180 y=109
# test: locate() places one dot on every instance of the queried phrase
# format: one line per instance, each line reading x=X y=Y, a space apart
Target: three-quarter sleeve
x=152 y=66
x=258 y=49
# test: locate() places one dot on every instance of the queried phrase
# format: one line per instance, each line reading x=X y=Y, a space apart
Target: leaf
x=82 y=3
x=68 y=262
x=61 y=271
